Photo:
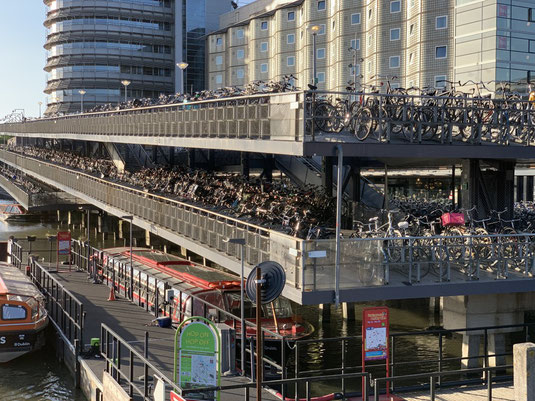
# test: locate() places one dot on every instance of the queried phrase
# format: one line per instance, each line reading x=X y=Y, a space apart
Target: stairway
x=134 y=157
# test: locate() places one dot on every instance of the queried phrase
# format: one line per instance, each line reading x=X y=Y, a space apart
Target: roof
x=13 y=281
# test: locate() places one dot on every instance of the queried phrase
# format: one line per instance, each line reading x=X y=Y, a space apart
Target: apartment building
x=405 y=42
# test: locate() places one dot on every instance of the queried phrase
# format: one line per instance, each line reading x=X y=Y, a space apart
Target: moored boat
x=215 y=287
x=23 y=317
x=12 y=212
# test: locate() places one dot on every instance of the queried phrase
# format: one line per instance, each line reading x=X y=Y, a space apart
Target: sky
x=22 y=78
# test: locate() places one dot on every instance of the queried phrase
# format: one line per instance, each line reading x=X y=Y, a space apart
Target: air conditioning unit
x=228 y=349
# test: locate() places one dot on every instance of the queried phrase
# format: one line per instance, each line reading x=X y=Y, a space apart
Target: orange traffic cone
x=112 y=294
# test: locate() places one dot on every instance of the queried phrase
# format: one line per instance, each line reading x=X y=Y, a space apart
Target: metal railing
x=379 y=117
x=63 y=307
x=265 y=116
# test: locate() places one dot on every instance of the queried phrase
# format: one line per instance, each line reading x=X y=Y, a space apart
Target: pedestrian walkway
x=131 y=322
x=479 y=393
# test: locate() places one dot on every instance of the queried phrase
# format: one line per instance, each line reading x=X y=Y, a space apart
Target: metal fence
x=266 y=117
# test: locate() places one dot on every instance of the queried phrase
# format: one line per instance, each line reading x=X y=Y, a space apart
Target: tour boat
x=13 y=212
x=23 y=317
x=220 y=290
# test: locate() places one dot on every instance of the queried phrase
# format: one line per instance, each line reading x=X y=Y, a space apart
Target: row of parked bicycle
x=416 y=115
x=18 y=178
x=275 y=204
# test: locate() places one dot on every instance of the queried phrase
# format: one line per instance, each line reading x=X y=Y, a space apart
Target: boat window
x=34 y=306
x=233 y=300
x=282 y=306
x=13 y=312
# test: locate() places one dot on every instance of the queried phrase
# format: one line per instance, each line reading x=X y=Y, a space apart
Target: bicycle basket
x=452 y=219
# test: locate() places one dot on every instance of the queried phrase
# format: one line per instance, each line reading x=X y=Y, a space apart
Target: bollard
x=524 y=371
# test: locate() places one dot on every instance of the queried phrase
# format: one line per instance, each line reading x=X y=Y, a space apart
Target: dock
x=130 y=322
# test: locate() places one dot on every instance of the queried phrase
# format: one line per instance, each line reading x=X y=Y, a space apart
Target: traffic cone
x=112 y=294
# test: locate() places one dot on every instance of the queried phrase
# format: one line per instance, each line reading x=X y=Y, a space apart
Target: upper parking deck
x=312 y=123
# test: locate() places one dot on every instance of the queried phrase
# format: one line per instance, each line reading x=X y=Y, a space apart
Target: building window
x=239 y=33
x=394 y=61
x=290 y=61
x=320 y=53
x=264 y=67
x=334 y=25
x=264 y=46
x=264 y=26
x=395 y=6
x=413 y=3
x=240 y=74
x=219 y=79
x=218 y=60
x=354 y=70
x=355 y=19
x=395 y=34
x=441 y=52
x=370 y=38
x=411 y=58
x=370 y=67
x=441 y=22
x=411 y=30
x=321 y=77
x=440 y=81
x=370 y=13
x=411 y=84
x=291 y=16
x=219 y=41
x=355 y=44
x=240 y=54
x=290 y=39
x=322 y=5
x=322 y=29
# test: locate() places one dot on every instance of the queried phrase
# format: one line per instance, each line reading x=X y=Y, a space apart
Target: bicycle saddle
x=403 y=225
x=312 y=87
x=374 y=218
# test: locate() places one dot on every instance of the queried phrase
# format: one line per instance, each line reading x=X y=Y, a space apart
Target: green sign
x=197 y=350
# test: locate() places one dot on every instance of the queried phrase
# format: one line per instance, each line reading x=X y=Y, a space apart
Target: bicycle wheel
x=362 y=123
x=323 y=113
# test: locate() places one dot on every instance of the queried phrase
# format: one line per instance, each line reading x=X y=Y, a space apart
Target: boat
x=23 y=316
x=220 y=290
x=11 y=212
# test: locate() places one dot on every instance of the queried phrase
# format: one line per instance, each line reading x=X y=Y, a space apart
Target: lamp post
x=125 y=82
x=131 y=219
x=314 y=29
x=82 y=92
x=182 y=65
x=40 y=104
x=241 y=243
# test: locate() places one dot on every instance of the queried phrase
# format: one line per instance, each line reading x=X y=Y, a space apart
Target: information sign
x=64 y=243
x=198 y=355
x=375 y=333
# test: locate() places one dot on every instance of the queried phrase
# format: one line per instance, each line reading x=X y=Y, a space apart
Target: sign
x=64 y=243
x=197 y=342
x=175 y=397
x=111 y=390
x=375 y=334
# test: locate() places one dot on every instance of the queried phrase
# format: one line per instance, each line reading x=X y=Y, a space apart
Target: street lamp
x=125 y=82
x=82 y=92
x=182 y=65
x=314 y=29
x=131 y=219
x=40 y=104
x=241 y=243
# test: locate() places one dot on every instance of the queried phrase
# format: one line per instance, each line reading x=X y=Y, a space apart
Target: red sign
x=64 y=243
x=176 y=397
x=375 y=334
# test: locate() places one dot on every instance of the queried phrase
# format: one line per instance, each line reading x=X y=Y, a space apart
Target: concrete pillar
x=269 y=164
x=244 y=164
x=99 y=224
x=147 y=237
x=211 y=159
x=155 y=154
x=191 y=158
x=327 y=177
x=325 y=313
x=470 y=184
x=348 y=311
x=172 y=155
x=120 y=229
x=58 y=214
x=524 y=371
x=183 y=252
x=165 y=248
x=520 y=188
x=470 y=349
x=529 y=188
x=496 y=344
x=69 y=218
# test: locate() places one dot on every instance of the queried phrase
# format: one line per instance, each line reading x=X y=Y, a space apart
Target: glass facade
x=194 y=45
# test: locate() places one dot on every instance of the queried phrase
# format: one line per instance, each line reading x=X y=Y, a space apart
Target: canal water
x=39 y=377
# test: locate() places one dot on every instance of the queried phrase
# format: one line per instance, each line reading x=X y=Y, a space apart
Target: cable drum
x=274 y=280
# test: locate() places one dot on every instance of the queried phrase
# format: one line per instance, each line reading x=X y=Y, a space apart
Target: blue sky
x=22 y=78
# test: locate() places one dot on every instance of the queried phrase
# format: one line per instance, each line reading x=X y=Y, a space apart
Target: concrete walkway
x=479 y=393
x=131 y=322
